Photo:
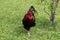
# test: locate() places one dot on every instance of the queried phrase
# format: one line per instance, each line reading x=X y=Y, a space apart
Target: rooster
x=29 y=19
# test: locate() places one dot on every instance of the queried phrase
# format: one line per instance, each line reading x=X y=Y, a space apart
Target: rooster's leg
x=29 y=33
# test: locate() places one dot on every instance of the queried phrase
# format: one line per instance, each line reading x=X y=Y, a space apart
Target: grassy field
x=11 y=28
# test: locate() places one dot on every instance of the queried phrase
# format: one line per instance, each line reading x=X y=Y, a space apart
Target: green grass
x=11 y=28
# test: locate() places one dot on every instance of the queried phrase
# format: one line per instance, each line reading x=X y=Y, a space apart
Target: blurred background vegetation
x=12 y=12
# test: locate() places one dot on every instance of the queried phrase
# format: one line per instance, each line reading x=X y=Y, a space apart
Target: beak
x=35 y=10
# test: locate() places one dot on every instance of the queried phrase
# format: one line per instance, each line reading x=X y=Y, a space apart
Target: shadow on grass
x=47 y=25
